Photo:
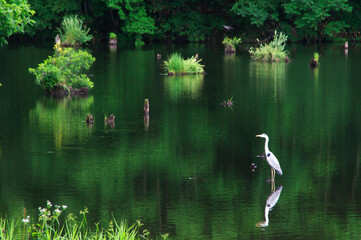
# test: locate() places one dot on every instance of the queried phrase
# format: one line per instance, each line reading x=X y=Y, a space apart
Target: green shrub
x=230 y=44
x=112 y=35
x=72 y=32
x=177 y=65
x=316 y=56
x=64 y=69
x=272 y=52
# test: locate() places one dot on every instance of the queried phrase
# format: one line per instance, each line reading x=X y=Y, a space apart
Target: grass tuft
x=272 y=52
x=176 y=65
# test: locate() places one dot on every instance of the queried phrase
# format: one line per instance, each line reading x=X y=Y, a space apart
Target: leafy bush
x=112 y=35
x=177 y=65
x=316 y=56
x=272 y=52
x=72 y=32
x=64 y=70
x=230 y=44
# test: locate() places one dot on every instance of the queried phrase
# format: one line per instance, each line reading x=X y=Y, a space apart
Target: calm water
x=186 y=170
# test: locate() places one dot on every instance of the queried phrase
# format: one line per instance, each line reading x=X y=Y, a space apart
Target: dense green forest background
x=200 y=20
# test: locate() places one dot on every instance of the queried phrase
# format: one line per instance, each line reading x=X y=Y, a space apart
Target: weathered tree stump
x=113 y=42
x=110 y=121
x=229 y=49
x=146 y=106
x=313 y=63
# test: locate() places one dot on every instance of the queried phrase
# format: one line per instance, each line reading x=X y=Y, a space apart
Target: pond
x=185 y=170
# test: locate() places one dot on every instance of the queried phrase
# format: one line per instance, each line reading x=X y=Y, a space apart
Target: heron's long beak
x=258 y=136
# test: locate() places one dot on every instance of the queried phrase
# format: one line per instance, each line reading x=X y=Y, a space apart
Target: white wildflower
x=65 y=206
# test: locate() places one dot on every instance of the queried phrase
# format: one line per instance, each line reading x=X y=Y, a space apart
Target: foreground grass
x=50 y=227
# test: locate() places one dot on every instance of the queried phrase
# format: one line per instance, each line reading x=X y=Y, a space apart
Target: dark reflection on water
x=185 y=168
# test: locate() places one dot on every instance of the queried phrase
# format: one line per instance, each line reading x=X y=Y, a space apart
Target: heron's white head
x=263 y=135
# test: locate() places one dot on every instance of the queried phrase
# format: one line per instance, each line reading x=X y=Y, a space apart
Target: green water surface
x=186 y=169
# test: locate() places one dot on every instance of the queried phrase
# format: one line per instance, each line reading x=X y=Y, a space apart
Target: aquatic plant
x=316 y=56
x=72 y=32
x=64 y=70
x=112 y=35
x=50 y=225
x=272 y=52
x=314 y=61
x=176 y=65
x=230 y=44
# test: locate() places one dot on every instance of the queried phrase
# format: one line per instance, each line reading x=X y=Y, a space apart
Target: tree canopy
x=189 y=20
x=14 y=15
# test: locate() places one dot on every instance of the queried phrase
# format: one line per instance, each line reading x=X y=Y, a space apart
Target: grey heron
x=270 y=203
x=271 y=158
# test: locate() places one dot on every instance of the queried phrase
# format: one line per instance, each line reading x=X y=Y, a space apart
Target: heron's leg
x=273 y=172
x=273 y=186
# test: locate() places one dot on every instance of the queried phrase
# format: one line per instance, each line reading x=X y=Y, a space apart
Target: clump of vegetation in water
x=64 y=70
x=72 y=32
x=112 y=38
x=230 y=44
x=49 y=225
x=314 y=61
x=176 y=65
x=112 y=35
x=272 y=52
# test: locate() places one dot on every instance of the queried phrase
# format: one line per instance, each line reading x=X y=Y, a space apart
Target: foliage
x=112 y=35
x=64 y=69
x=14 y=16
x=272 y=52
x=72 y=32
x=231 y=42
x=137 y=21
x=177 y=65
x=317 y=17
x=258 y=11
x=316 y=56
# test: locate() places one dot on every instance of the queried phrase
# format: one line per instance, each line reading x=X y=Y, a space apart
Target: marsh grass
x=316 y=56
x=50 y=226
x=72 y=31
x=176 y=65
x=272 y=52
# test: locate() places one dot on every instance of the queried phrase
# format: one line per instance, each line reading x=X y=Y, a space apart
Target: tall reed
x=72 y=31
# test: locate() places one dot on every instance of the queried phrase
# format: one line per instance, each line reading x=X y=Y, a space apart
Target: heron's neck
x=266 y=146
x=266 y=211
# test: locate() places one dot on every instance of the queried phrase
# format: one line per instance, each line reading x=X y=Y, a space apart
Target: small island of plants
x=62 y=73
x=176 y=65
x=230 y=44
x=273 y=51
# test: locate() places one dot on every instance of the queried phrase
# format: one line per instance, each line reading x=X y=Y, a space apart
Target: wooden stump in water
x=313 y=63
x=110 y=121
x=89 y=118
x=113 y=42
x=146 y=106
x=229 y=50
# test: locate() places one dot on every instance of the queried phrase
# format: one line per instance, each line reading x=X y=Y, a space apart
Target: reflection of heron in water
x=270 y=203
x=271 y=159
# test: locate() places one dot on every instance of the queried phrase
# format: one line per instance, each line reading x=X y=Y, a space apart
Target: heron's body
x=270 y=203
x=270 y=157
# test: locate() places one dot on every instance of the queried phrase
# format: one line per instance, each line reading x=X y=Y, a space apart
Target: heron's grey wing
x=272 y=160
x=273 y=198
